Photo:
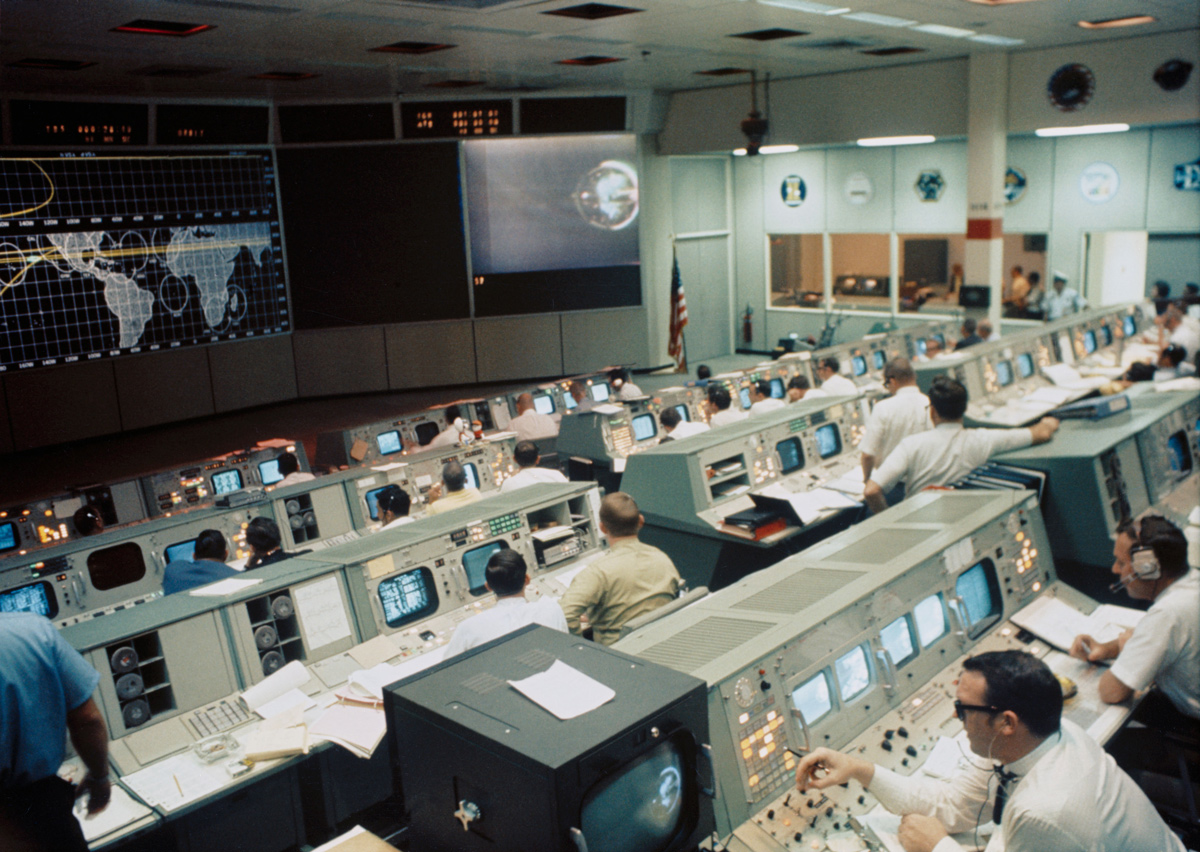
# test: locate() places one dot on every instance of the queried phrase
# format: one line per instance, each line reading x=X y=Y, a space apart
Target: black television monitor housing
x=632 y=775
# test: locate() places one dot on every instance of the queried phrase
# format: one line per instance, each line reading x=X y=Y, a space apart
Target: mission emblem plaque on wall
x=930 y=185
x=858 y=188
x=1014 y=184
x=1071 y=87
x=1099 y=182
x=793 y=190
x=1187 y=176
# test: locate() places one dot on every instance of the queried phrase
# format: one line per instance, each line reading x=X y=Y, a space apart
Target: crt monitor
x=791 y=455
x=920 y=346
x=475 y=564
x=37 y=598
x=472 y=473
x=829 y=440
x=426 y=432
x=408 y=597
x=777 y=389
x=600 y=392
x=180 y=551
x=858 y=365
x=268 y=472
x=8 y=536
x=544 y=404
x=1025 y=365
x=372 y=498
x=1106 y=335
x=389 y=442
x=569 y=401
x=1130 y=326
x=227 y=481
x=1089 y=341
x=979 y=591
x=941 y=339
x=744 y=396
x=643 y=427
x=684 y=415
x=880 y=358
x=1004 y=373
x=1179 y=454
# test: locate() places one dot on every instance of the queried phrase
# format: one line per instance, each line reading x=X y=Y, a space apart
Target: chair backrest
x=684 y=600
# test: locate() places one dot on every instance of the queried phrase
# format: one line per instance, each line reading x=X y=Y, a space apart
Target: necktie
x=1003 y=779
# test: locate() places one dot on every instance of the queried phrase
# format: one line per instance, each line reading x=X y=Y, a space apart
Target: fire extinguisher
x=748 y=324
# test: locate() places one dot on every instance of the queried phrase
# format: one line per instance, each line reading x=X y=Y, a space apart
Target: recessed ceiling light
x=892 y=51
x=1082 y=130
x=939 y=29
x=51 y=64
x=592 y=11
x=885 y=141
x=412 y=47
x=143 y=26
x=879 y=20
x=588 y=61
x=805 y=6
x=769 y=34
x=999 y=41
x=1109 y=23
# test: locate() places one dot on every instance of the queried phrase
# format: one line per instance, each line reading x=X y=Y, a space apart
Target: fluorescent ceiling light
x=1130 y=21
x=778 y=149
x=939 y=29
x=884 y=141
x=1001 y=41
x=739 y=152
x=1082 y=130
x=806 y=6
x=880 y=20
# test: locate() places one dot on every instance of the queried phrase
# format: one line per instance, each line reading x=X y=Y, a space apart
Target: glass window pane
x=897 y=640
x=861 y=270
x=931 y=271
x=853 y=673
x=797 y=270
x=812 y=698
x=931 y=619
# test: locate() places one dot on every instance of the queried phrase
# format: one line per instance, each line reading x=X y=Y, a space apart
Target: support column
x=987 y=161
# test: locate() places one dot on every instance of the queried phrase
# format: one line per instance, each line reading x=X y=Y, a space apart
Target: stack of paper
x=280 y=691
x=356 y=729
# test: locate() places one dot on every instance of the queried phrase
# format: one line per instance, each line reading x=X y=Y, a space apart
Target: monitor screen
x=921 y=346
x=1025 y=365
x=116 y=566
x=777 y=389
x=600 y=392
x=880 y=358
x=829 y=440
x=408 y=596
x=813 y=698
x=227 y=481
x=426 y=432
x=181 y=550
x=475 y=563
x=1130 y=326
x=372 y=498
x=8 y=536
x=980 y=593
x=791 y=455
x=1106 y=335
x=744 y=396
x=1004 y=373
x=544 y=404
x=930 y=616
x=643 y=427
x=941 y=339
x=569 y=401
x=1089 y=341
x=37 y=598
x=858 y=365
x=268 y=472
x=684 y=415
x=1178 y=453
x=897 y=640
x=472 y=473
x=853 y=674
x=639 y=807
x=389 y=442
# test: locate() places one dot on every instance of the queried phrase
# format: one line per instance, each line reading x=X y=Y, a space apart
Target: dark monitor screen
x=37 y=598
x=475 y=564
x=389 y=442
x=1089 y=341
x=8 y=536
x=858 y=365
x=643 y=427
x=268 y=472
x=921 y=346
x=829 y=440
x=1130 y=326
x=980 y=594
x=683 y=412
x=372 y=498
x=543 y=404
x=744 y=396
x=1106 y=335
x=181 y=550
x=941 y=339
x=116 y=566
x=472 y=475
x=880 y=358
x=600 y=392
x=1025 y=365
x=639 y=807
x=777 y=389
x=426 y=432
x=408 y=596
x=1004 y=373
x=227 y=481
x=1179 y=455
x=791 y=455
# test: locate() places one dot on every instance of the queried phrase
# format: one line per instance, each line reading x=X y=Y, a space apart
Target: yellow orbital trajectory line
x=49 y=198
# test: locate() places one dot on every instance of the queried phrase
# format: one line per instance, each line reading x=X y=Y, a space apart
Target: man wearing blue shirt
x=207 y=565
x=46 y=687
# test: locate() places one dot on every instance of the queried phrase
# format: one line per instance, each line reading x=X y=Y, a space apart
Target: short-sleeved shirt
x=943 y=455
x=42 y=678
x=627 y=392
x=687 y=429
x=724 y=418
x=448 y=437
x=630 y=580
x=527 y=476
x=453 y=500
x=894 y=419
x=507 y=615
x=184 y=574
x=296 y=478
x=533 y=426
x=766 y=406
x=837 y=385
x=1165 y=647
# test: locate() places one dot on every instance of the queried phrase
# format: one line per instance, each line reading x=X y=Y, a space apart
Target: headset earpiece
x=1145 y=564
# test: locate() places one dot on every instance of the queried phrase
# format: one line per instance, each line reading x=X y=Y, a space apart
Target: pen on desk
x=178 y=786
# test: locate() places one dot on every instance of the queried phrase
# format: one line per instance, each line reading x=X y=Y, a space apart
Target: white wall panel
x=809 y=216
x=873 y=216
x=1168 y=208
x=1030 y=213
x=947 y=215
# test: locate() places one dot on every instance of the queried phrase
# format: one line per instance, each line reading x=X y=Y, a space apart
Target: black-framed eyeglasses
x=960 y=709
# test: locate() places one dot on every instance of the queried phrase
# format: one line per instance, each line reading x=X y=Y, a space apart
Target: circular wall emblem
x=1099 y=182
x=859 y=189
x=793 y=190
x=930 y=185
x=1173 y=75
x=1071 y=87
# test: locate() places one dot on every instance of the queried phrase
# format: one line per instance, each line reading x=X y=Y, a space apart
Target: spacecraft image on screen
x=607 y=196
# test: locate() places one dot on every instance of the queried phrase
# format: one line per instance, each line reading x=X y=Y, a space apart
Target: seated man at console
x=530 y=424
x=579 y=392
x=505 y=575
x=720 y=407
x=623 y=387
x=527 y=457
x=449 y=437
x=1042 y=779
x=289 y=467
x=799 y=387
x=761 y=401
x=676 y=427
x=207 y=564
x=454 y=487
x=394 y=505
x=265 y=542
x=969 y=337
x=832 y=381
x=630 y=580
x=1164 y=649
x=947 y=452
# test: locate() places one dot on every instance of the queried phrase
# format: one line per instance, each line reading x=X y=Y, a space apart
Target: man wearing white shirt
x=720 y=407
x=904 y=413
x=1061 y=300
x=761 y=400
x=832 y=382
x=449 y=436
x=527 y=456
x=676 y=427
x=393 y=504
x=799 y=387
x=623 y=389
x=1047 y=785
x=507 y=577
x=530 y=424
x=1183 y=330
x=289 y=466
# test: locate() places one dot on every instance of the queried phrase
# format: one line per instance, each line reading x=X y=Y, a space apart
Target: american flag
x=679 y=319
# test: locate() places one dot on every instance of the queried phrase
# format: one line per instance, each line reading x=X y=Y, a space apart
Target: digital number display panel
x=452 y=119
x=103 y=255
x=73 y=123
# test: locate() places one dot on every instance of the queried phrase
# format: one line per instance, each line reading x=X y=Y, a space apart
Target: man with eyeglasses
x=904 y=413
x=1047 y=785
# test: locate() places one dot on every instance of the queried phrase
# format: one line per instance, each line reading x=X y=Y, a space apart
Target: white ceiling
x=511 y=46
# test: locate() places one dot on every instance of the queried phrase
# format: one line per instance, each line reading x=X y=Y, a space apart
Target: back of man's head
x=799 y=382
x=1174 y=354
x=505 y=573
x=394 y=499
x=88 y=520
x=288 y=463
x=703 y=372
x=210 y=544
x=619 y=514
x=763 y=388
x=1164 y=539
x=1173 y=316
x=900 y=371
x=968 y=326
x=454 y=475
x=1162 y=289
x=830 y=362
x=1020 y=682
x=524 y=402
x=1017 y=270
x=263 y=535
x=577 y=390
x=526 y=453
x=719 y=397
x=669 y=418
x=948 y=398
x=985 y=329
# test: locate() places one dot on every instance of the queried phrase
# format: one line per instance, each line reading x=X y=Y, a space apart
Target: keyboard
x=217 y=718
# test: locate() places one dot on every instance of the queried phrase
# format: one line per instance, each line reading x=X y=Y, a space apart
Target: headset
x=1145 y=563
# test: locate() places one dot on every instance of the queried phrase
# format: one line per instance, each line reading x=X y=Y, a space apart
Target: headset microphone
x=1120 y=584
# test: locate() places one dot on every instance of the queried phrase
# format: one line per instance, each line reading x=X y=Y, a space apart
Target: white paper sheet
x=176 y=781
x=322 y=614
x=224 y=587
x=121 y=811
x=357 y=729
x=1052 y=620
x=564 y=691
x=810 y=505
x=282 y=704
x=565 y=577
x=292 y=676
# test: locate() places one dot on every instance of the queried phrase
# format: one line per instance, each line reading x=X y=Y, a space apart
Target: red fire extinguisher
x=748 y=324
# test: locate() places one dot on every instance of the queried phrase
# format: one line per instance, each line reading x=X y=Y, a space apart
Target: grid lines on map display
x=108 y=255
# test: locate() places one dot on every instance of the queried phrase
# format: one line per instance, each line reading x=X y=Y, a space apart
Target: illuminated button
x=771 y=715
x=747 y=753
x=1020 y=536
x=744 y=718
x=753 y=780
x=746 y=743
x=1037 y=587
x=771 y=748
x=1033 y=553
x=763 y=752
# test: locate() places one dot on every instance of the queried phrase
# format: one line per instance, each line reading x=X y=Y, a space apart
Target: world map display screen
x=105 y=255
